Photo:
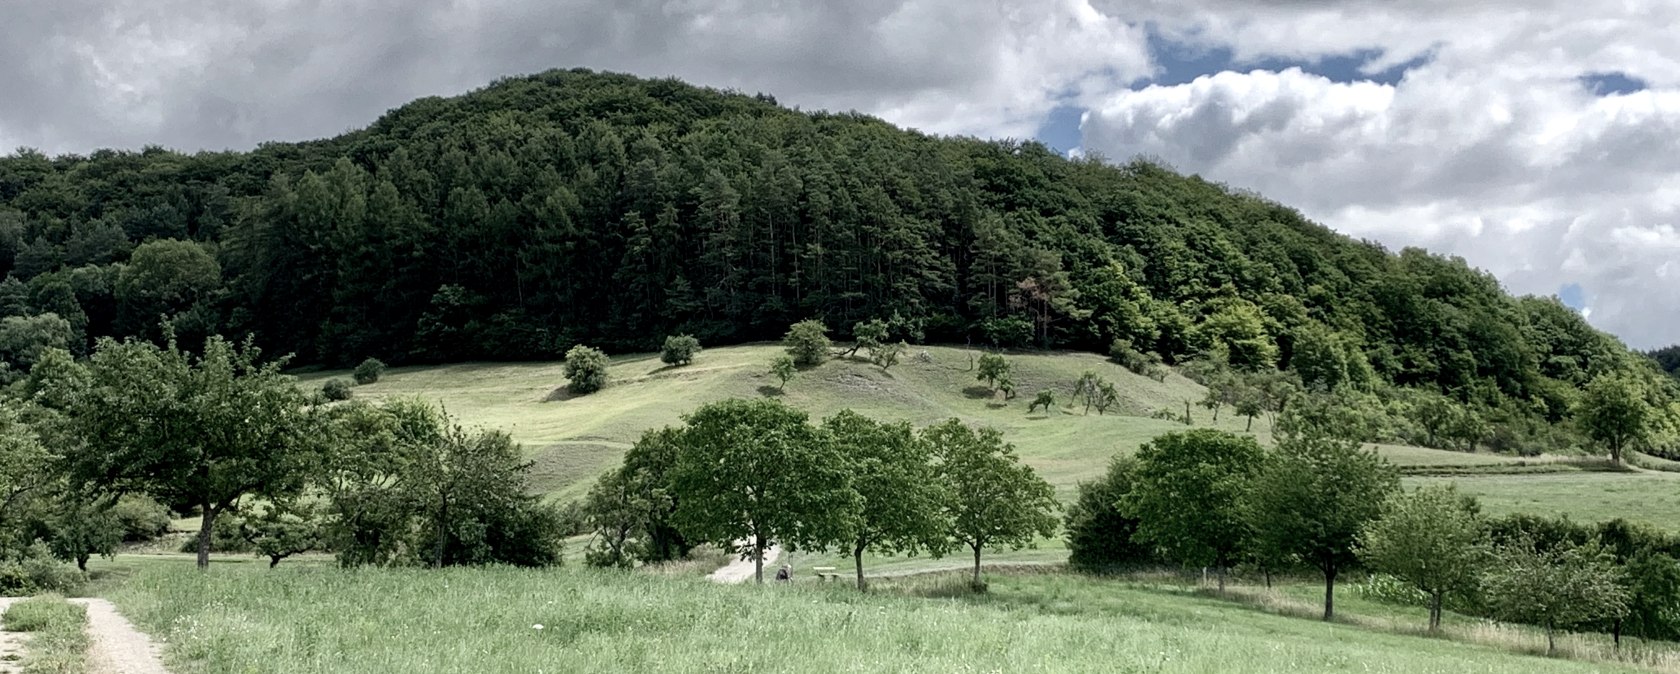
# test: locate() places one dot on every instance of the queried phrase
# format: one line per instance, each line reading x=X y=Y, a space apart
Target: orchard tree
x=25 y=464
x=807 y=343
x=1312 y=497
x=631 y=507
x=80 y=525
x=994 y=500
x=1046 y=399
x=752 y=474
x=868 y=335
x=1613 y=413
x=193 y=431
x=892 y=471
x=887 y=355
x=1431 y=538
x=1101 y=534
x=1106 y=397
x=282 y=528
x=679 y=350
x=1557 y=587
x=993 y=369
x=783 y=369
x=1188 y=492
x=586 y=369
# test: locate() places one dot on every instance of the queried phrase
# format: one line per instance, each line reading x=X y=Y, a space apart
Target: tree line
x=98 y=450
x=574 y=207
x=745 y=475
x=1206 y=498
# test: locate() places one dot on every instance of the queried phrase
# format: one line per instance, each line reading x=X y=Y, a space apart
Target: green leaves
x=807 y=343
x=586 y=370
x=1557 y=588
x=749 y=474
x=1187 y=495
x=1614 y=413
x=994 y=499
x=1431 y=538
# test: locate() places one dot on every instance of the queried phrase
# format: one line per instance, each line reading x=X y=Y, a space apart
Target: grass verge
x=487 y=620
x=60 y=640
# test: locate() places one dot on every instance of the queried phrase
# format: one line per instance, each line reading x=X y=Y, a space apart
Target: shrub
x=1146 y=364
x=37 y=571
x=1099 y=533
x=141 y=518
x=226 y=536
x=369 y=371
x=679 y=350
x=807 y=342
x=587 y=369
x=337 y=390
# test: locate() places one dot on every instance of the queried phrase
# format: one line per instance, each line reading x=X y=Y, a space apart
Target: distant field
x=1649 y=497
x=319 y=619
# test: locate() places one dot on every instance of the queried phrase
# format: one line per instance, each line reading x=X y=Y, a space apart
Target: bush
x=1099 y=533
x=587 y=369
x=679 y=350
x=37 y=571
x=369 y=371
x=807 y=342
x=1146 y=364
x=337 y=390
x=141 y=518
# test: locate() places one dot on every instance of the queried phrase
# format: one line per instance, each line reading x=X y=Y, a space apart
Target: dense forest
x=573 y=207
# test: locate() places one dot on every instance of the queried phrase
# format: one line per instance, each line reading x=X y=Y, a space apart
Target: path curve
x=741 y=570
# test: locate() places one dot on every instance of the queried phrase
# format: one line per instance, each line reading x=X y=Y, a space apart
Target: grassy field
x=1649 y=497
x=572 y=440
x=318 y=619
x=59 y=642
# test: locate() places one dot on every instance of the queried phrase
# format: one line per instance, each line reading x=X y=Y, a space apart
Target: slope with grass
x=572 y=439
x=506 y=620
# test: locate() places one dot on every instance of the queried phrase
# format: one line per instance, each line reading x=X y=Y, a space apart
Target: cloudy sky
x=1539 y=139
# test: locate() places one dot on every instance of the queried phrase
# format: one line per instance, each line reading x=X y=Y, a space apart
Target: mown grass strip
x=60 y=644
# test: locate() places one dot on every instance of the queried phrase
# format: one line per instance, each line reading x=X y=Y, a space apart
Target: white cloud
x=1532 y=178
x=83 y=74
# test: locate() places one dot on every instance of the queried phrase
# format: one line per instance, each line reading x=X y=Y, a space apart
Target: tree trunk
x=81 y=562
x=758 y=559
x=857 y=556
x=1435 y=612
x=1616 y=635
x=274 y=560
x=1250 y=425
x=442 y=531
x=1222 y=578
x=1329 y=593
x=205 y=523
x=1268 y=572
x=1551 y=640
x=976 y=581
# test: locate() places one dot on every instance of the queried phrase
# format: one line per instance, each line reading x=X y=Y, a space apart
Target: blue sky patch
x=1573 y=296
x=1181 y=63
x=1612 y=84
x=1060 y=129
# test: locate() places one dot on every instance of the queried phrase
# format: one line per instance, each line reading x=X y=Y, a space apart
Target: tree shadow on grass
x=978 y=392
x=769 y=391
x=561 y=394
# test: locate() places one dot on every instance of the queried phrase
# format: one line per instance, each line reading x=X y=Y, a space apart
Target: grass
x=1648 y=497
x=60 y=641
x=571 y=439
x=319 y=619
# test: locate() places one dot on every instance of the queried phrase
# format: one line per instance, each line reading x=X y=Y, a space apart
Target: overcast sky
x=1539 y=139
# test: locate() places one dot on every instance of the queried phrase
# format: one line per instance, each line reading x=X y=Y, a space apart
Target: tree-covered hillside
x=575 y=207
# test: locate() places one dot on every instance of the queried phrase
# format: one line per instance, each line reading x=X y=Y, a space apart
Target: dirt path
x=11 y=645
x=116 y=647
x=741 y=570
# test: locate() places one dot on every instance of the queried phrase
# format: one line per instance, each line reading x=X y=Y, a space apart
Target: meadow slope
x=572 y=439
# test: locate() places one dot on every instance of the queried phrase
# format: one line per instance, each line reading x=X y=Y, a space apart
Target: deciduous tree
x=1431 y=538
x=994 y=499
x=1187 y=496
x=891 y=469
x=752 y=474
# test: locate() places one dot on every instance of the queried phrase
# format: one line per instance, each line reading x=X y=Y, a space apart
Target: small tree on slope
x=994 y=500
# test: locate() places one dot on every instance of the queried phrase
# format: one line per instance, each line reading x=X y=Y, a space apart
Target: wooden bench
x=826 y=572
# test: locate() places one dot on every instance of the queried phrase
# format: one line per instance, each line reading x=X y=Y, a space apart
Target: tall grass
x=485 y=620
x=60 y=641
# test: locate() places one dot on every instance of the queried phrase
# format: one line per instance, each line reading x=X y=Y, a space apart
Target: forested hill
x=516 y=221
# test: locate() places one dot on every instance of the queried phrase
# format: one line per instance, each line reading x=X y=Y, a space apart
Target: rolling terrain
x=572 y=439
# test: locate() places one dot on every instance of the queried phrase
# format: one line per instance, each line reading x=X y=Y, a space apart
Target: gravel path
x=118 y=648
x=114 y=646
x=741 y=570
x=11 y=645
